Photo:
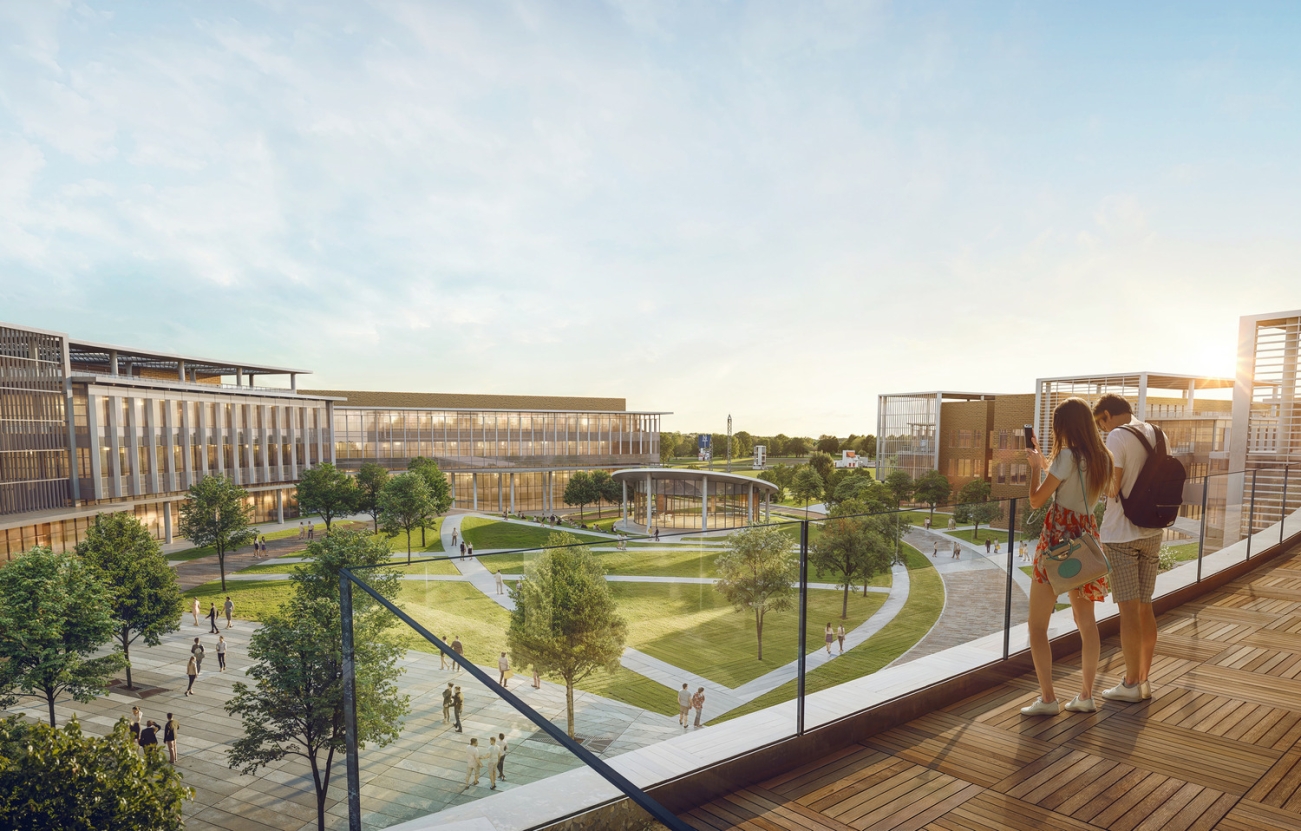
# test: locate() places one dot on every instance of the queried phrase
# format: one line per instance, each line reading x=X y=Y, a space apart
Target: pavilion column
x=704 y=503
x=749 y=506
x=474 y=486
x=649 y=498
x=167 y=523
x=512 y=493
x=623 y=506
x=280 y=507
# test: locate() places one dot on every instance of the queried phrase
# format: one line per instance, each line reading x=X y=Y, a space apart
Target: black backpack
x=1158 y=492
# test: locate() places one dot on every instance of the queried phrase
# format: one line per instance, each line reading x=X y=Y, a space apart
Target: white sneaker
x=1145 y=687
x=1081 y=705
x=1124 y=692
x=1042 y=708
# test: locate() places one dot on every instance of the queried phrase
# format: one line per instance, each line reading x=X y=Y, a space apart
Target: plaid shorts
x=1134 y=565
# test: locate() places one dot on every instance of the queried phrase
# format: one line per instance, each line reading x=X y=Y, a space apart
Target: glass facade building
x=692 y=499
x=87 y=427
x=501 y=453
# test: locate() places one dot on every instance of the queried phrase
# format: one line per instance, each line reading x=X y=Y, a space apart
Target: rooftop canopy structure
x=693 y=499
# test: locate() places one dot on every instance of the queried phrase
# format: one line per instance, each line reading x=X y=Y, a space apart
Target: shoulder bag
x=1075 y=561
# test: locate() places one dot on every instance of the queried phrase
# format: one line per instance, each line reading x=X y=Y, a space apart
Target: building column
x=474 y=485
x=115 y=445
x=749 y=506
x=512 y=493
x=280 y=507
x=500 y=499
x=167 y=523
x=704 y=503
x=649 y=502
x=767 y=502
x=623 y=506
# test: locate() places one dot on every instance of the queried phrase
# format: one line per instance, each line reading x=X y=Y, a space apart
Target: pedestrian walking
x=448 y=695
x=192 y=670
x=196 y=652
x=212 y=618
x=458 y=703
x=311 y=533
x=221 y=652
x=135 y=724
x=170 y=730
x=472 y=761
x=469 y=549
x=928 y=524
x=1133 y=550
x=442 y=656
x=684 y=705
x=537 y=679
x=503 y=667
x=501 y=757
x=453 y=538
x=196 y=611
x=302 y=530
x=264 y=546
x=840 y=636
x=957 y=551
x=987 y=545
x=936 y=551
x=149 y=736
x=459 y=649
x=698 y=703
x=229 y=607
x=492 y=757
x=1079 y=473
x=997 y=548
x=500 y=585
x=829 y=636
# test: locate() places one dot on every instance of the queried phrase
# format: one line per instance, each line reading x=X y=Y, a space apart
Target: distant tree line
x=683 y=445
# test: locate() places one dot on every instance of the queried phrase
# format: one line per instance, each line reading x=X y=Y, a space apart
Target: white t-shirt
x=1128 y=454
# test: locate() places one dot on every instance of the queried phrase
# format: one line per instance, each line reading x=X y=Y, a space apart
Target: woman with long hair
x=1078 y=473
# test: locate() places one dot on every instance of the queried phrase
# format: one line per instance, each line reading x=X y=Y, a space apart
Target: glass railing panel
x=1224 y=544
x=1177 y=564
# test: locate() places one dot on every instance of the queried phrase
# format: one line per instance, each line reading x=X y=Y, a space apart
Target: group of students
x=146 y=736
x=194 y=667
x=688 y=702
x=1080 y=471
x=494 y=754
x=838 y=635
x=306 y=531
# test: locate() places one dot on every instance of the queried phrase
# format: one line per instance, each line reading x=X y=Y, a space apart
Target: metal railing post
x=350 y=704
x=1282 y=510
x=1201 y=536
x=804 y=627
x=1251 y=512
x=1007 y=601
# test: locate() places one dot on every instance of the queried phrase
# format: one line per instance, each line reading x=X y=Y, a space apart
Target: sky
x=774 y=210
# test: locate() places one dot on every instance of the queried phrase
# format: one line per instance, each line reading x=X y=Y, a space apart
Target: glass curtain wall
x=906 y=433
x=34 y=473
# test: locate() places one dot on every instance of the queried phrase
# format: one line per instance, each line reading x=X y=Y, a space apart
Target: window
x=1002 y=472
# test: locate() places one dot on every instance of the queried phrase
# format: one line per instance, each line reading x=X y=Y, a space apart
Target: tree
x=295 y=705
x=853 y=548
x=770 y=475
x=823 y=463
x=55 y=612
x=580 y=491
x=974 y=506
x=806 y=485
x=53 y=778
x=828 y=444
x=405 y=504
x=798 y=446
x=669 y=442
x=564 y=622
x=900 y=485
x=440 y=491
x=370 y=482
x=932 y=488
x=859 y=486
x=867 y=446
x=147 y=601
x=755 y=573
x=327 y=491
x=605 y=488
x=217 y=514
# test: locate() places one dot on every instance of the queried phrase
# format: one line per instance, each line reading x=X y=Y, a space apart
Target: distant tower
x=729 y=442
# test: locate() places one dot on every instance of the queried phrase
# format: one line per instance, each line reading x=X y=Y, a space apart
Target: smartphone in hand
x=1030 y=442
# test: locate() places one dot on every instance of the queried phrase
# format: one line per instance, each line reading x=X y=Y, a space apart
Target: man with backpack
x=1131 y=532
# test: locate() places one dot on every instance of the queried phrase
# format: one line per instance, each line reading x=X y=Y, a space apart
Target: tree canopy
x=755 y=573
x=217 y=514
x=52 y=778
x=975 y=507
x=370 y=482
x=55 y=613
x=440 y=490
x=405 y=504
x=900 y=485
x=294 y=707
x=581 y=490
x=328 y=492
x=823 y=463
x=565 y=622
x=852 y=548
x=806 y=485
x=147 y=601
x=932 y=488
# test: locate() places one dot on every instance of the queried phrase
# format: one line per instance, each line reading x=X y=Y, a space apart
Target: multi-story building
x=88 y=427
x=500 y=452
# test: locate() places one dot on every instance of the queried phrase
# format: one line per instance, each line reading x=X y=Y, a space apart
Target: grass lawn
x=460 y=610
x=493 y=533
x=254 y=599
x=192 y=554
x=925 y=602
x=433 y=540
x=271 y=568
x=692 y=626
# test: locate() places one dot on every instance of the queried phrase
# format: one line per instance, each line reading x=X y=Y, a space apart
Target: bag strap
x=1084 y=491
x=1160 y=439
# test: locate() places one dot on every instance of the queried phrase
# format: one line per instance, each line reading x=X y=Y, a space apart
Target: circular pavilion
x=693 y=499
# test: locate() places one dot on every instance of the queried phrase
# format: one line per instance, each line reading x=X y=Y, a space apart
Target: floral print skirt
x=1060 y=524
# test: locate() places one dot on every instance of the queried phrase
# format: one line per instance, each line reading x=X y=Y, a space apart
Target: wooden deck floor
x=1217 y=747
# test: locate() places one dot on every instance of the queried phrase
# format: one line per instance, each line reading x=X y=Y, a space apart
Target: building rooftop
x=464 y=401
